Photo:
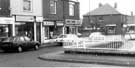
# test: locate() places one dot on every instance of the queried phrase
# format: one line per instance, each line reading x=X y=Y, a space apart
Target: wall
x=59 y=10
x=77 y=10
x=108 y=19
x=17 y=8
x=5 y=8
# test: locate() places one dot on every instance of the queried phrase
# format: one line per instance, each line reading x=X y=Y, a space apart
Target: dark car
x=18 y=43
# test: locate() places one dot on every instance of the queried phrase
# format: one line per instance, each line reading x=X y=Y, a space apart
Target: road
x=30 y=59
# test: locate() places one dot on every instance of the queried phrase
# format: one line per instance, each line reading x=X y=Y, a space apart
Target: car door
x=28 y=42
x=21 y=42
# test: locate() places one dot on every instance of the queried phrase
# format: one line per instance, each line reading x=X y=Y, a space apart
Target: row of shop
x=36 y=28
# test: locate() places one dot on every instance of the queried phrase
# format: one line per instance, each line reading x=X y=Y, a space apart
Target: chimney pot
x=100 y=5
x=132 y=13
x=115 y=5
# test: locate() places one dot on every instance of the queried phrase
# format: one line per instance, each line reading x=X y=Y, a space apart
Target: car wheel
x=36 y=47
x=61 y=44
x=19 y=49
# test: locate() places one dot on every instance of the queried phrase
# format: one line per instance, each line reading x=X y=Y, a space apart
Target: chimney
x=132 y=14
x=115 y=5
x=100 y=5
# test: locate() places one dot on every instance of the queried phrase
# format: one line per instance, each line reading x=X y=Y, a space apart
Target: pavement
x=87 y=58
x=90 y=58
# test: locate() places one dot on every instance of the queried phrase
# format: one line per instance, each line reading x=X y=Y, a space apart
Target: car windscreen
x=18 y=39
x=14 y=39
x=7 y=40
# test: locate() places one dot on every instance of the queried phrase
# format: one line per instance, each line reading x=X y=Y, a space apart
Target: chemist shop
x=52 y=29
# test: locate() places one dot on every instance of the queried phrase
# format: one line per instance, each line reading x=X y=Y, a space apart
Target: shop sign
x=25 y=18
x=60 y=23
x=48 y=23
x=6 y=20
x=111 y=25
x=73 y=22
x=39 y=19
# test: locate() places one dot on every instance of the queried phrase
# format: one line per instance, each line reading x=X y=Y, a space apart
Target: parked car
x=61 y=38
x=130 y=36
x=18 y=43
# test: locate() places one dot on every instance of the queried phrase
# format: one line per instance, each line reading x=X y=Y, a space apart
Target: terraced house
x=45 y=19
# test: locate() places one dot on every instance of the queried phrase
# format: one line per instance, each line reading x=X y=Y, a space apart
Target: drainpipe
x=35 y=37
x=13 y=26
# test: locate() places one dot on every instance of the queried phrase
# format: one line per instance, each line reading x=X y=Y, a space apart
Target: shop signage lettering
x=48 y=23
x=6 y=20
x=72 y=22
x=60 y=23
x=39 y=19
x=25 y=18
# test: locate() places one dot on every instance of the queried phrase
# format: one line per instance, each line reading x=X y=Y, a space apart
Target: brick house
x=60 y=17
x=105 y=18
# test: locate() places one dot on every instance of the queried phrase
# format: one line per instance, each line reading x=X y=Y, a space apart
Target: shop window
x=4 y=31
x=71 y=8
x=111 y=29
x=27 y=5
x=131 y=29
x=53 y=5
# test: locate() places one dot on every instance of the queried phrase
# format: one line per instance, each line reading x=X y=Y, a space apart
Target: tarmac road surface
x=30 y=59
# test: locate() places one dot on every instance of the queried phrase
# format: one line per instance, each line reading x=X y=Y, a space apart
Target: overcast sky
x=123 y=6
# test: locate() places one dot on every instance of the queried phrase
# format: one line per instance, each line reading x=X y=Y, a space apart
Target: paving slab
x=89 y=58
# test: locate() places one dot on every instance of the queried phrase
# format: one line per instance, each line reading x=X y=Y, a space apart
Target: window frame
x=53 y=6
x=71 y=8
x=30 y=6
x=101 y=19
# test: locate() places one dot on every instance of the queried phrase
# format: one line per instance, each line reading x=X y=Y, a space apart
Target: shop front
x=24 y=25
x=6 y=27
x=72 y=26
x=52 y=29
x=111 y=29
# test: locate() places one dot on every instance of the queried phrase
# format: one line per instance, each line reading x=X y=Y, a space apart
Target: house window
x=27 y=5
x=53 y=6
x=71 y=8
x=101 y=19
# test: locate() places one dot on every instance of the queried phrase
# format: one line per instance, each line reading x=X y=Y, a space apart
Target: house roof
x=103 y=10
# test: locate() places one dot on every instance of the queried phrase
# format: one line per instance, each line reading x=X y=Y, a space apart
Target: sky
x=123 y=6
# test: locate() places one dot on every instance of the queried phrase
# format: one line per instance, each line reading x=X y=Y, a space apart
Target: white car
x=130 y=36
x=61 y=38
x=97 y=36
